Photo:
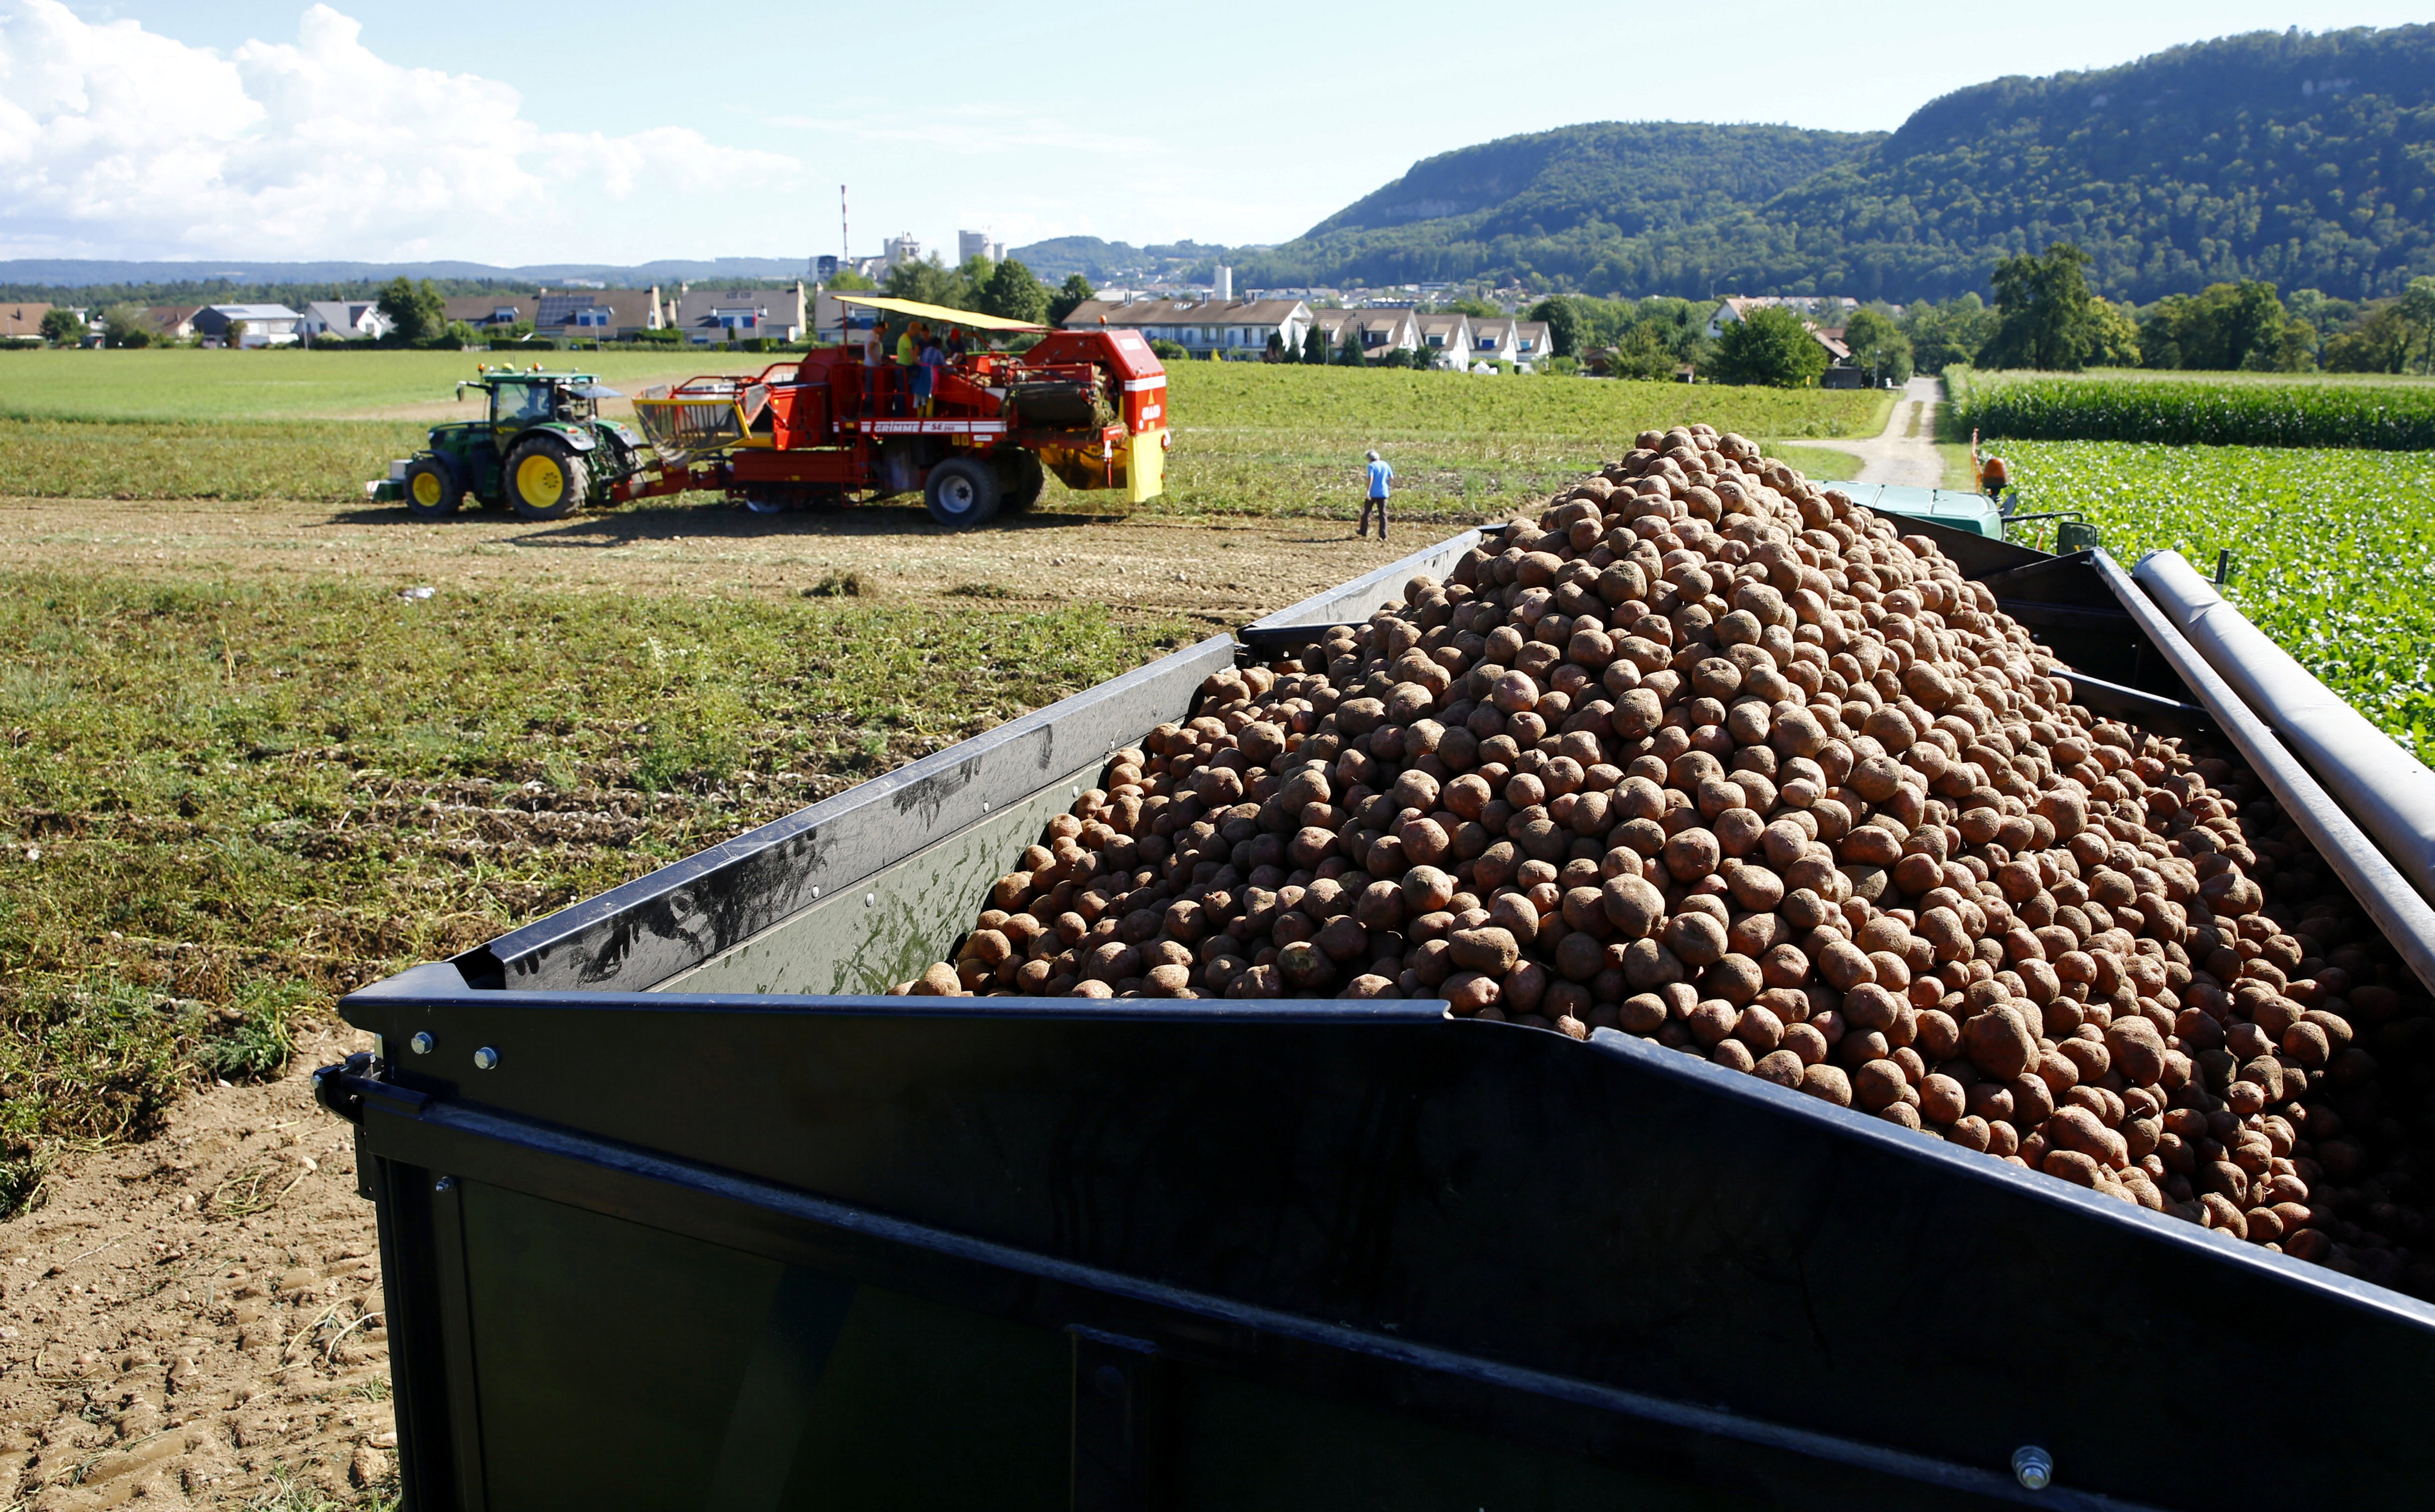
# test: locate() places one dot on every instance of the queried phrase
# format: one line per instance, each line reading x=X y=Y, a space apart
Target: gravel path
x=1905 y=454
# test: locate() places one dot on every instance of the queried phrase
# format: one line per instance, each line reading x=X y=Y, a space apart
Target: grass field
x=187 y=383
x=220 y=803
x=2351 y=410
x=1251 y=438
x=2333 y=551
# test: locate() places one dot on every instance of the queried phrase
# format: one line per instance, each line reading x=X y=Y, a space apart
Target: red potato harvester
x=832 y=425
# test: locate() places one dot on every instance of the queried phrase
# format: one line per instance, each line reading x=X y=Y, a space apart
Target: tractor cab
x=522 y=400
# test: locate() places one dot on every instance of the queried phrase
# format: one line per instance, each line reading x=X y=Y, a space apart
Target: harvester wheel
x=432 y=491
x=1020 y=480
x=546 y=479
x=963 y=492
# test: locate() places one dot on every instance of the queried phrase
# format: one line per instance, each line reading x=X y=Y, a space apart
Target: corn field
x=2209 y=409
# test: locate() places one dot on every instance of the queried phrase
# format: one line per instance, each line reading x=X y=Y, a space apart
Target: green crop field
x=186 y=384
x=2367 y=411
x=220 y=803
x=2333 y=551
x=1251 y=438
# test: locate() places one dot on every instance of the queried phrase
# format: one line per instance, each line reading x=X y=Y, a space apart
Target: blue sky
x=612 y=131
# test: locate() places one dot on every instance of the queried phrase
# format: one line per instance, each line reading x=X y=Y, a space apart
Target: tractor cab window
x=570 y=404
x=519 y=403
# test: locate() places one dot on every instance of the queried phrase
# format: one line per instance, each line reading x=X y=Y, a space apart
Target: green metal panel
x=1973 y=512
x=893 y=923
x=622 y=1366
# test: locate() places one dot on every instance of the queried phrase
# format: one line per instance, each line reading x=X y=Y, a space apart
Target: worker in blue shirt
x=1380 y=473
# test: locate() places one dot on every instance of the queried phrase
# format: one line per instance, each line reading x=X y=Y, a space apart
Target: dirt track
x=1223 y=572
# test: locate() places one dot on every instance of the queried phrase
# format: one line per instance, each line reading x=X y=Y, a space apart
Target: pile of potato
x=1711 y=755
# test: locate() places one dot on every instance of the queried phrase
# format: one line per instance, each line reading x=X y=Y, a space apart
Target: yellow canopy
x=937 y=312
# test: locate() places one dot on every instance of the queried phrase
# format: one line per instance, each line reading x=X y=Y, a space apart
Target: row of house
x=1245 y=327
x=705 y=316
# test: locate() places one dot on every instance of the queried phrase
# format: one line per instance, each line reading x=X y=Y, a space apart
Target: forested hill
x=2308 y=160
x=1621 y=177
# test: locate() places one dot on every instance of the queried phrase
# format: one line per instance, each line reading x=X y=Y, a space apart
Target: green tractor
x=542 y=451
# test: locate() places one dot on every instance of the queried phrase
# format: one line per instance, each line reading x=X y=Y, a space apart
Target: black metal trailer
x=670 y=1218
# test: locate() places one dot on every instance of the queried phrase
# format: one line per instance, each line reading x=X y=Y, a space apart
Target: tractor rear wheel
x=546 y=480
x=432 y=491
x=1020 y=480
x=963 y=492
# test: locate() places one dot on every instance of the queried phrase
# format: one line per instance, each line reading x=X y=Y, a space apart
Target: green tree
x=1476 y=309
x=1278 y=350
x=1943 y=335
x=125 y=325
x=1772 y=346
x=63 y=325
x=1314 y=345
x=1349 y=354
x=2043 y=306
x=1564 y=320
x=848 y=282
x=2113 y=335
x=1013 y=294
x=232 y=334
x=1070 y=296
x=930 y=282
x=2418 y=308
x=415 y=315
x=2384 y=341
x=1878 y=346
x=1644 y=353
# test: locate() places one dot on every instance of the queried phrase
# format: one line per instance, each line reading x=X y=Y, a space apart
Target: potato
x=1708 y=753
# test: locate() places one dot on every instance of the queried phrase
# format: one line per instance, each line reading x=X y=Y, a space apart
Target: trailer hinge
x=343 y=1089
x=1119 y=1419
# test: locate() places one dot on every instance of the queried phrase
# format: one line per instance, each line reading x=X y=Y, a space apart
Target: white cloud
x=118 y=142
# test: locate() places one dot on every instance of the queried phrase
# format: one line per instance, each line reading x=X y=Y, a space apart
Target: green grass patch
x=187 y=383
x=1253 y=438
x=2371 y=412
x=2333 y=551
x=221 y=805
x=327 y=460
x=1820 y=463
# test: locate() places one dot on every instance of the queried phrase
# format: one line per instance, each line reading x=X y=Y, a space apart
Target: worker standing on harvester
x=1381 y=476
x=1994 y=473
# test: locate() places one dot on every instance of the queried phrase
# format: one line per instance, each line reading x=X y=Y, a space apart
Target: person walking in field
x=1381 y=476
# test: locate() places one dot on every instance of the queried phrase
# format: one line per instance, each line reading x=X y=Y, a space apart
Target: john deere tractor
x=542 y=451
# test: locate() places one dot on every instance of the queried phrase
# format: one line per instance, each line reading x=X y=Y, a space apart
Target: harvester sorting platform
x=831 y=426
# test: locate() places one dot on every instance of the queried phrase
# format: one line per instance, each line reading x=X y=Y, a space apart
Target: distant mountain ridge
x=80 y=273
x=2305 y=159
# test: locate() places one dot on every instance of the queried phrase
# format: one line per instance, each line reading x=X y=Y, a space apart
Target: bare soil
x=1224 y=572
x=196 y=1321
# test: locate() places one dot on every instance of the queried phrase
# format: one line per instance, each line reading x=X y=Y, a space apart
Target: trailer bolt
x=870 y=900
x=816 y=895
x=2033 y=1467
x=421 y=1043
x=446 y=1183
x=485 y=1058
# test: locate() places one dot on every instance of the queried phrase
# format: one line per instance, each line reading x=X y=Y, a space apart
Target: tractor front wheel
x=546 y=480
x=432 y=491
x=963 y=492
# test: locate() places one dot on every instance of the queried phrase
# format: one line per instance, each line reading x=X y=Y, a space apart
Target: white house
x=1503 y=339
x=1736 y=307
x=737 y=315
x=347 y=319
x=1379 y=330
x=1228 y=327
x=1447 y=338
x=265 y=325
